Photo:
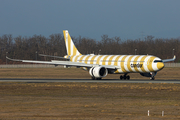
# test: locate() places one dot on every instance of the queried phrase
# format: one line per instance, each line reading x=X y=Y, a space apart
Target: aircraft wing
x=169 y=60
x=53 y=56
x=79 y=64
x=29 y=61
x=67 y=63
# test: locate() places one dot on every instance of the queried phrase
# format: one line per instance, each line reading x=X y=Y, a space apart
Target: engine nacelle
x=98 y=72
x=151 y=74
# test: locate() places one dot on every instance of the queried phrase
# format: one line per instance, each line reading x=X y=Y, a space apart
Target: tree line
x=29 y=47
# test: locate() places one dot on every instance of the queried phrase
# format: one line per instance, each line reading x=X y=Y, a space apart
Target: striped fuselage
x=123 y=63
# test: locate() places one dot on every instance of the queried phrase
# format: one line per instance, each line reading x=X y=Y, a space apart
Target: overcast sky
x=128 y=19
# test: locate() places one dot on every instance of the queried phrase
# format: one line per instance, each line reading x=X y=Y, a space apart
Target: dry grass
x=88 y=101
x=70 y=73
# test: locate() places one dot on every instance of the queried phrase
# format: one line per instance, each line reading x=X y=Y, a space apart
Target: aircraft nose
x=160 y=65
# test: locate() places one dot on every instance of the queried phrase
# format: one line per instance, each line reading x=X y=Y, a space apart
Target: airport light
x=99 y=51
x=173 y=53
x=36 y=55
x=6 y=58
x=135 y=51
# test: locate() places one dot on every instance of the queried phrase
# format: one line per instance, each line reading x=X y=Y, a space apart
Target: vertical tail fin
x=70 y=47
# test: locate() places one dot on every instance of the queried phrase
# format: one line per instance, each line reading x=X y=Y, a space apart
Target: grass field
x=89 y=101
x=76 y=73
x=86 y=100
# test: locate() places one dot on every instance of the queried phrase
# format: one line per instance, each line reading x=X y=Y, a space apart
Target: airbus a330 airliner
x=101 y=65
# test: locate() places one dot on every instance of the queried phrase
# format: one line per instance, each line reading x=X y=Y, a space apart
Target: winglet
x=13 y=59
x=174 y=57
x=169 y=60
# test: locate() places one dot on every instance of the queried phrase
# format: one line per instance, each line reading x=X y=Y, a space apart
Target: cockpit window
x=157 y=61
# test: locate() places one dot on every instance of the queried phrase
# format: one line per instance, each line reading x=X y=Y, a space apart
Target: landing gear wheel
x=152 y=78
x=124 y=77
x=94 y=78
x=121 y=77
x=128 y=77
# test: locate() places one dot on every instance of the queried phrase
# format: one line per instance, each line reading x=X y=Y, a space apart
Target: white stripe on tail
x=70 y=47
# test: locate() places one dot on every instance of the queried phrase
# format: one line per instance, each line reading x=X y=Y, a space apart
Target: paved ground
x=88 y=80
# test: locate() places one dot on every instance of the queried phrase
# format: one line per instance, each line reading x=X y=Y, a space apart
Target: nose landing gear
x=152 y=75
x=152 y=78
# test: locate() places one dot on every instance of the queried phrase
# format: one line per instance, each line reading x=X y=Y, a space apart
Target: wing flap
x=79 y=64
x=53 y=56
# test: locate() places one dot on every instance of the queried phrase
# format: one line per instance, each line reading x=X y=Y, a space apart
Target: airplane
x=101 y=65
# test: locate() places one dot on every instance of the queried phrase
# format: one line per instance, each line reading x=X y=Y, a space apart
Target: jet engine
x=98 y=72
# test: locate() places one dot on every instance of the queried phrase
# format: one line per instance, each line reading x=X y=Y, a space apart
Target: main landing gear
x=124 y=77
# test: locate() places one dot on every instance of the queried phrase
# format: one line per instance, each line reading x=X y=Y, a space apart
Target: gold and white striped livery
x=123 y=63
x=71 y=48
x=100 y=65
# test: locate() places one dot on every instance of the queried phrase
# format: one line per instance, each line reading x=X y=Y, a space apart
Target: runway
x=88 y=81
